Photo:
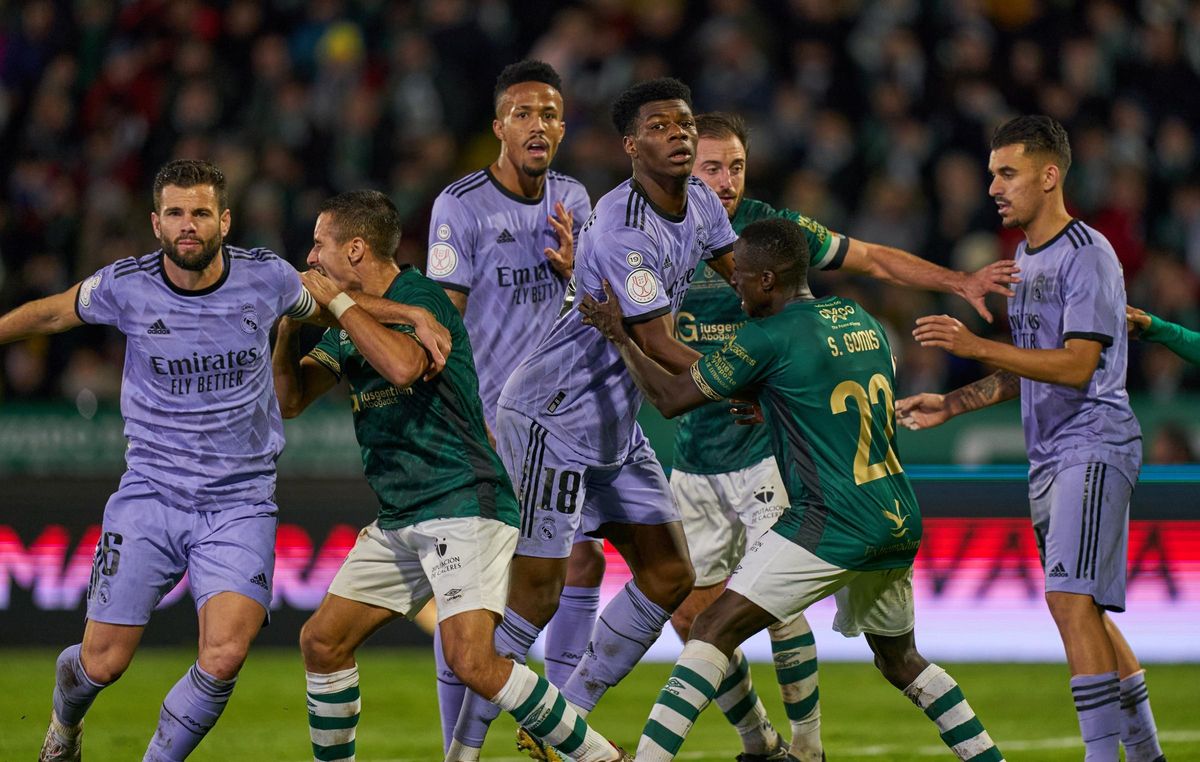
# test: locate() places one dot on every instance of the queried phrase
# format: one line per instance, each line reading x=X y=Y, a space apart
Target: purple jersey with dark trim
x=1073 y=287
x=197 y=394
x=575 y=383
x=490 y=243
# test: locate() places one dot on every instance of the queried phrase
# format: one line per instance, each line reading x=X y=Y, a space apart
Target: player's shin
x=1139 y=735
x=450 y=691
x=568 y=631
x=795 y=654
x=539 y=708
x=334 y=704
x=74 y=691
x=1098 y=704
x=692 y=684
x=939 y=696
x=628 y=627
x=514 y=637
x=189 y=711
x=745 y=711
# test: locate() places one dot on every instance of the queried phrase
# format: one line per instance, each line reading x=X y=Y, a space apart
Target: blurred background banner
x=977 y=580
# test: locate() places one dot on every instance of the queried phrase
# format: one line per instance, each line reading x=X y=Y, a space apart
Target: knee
x=682 y=621
x=586 y=568
x=223 y=660
x=900 y=666
x=669 y=585
x=469 y=661
x=104 y=666
x=321 y=653
x=1071 y=609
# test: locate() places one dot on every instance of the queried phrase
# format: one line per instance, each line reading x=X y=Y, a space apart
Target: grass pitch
x=1026 y=708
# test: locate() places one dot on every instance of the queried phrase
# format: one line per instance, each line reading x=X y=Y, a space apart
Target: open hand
x=993 y=279
x=562 y=259
x=946 y=333
x=434 y=336
x=922 y=411
x=605 y=316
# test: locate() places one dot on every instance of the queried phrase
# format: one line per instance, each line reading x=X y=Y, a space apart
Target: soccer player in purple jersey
x=204 y=433
x=1067 y=363
x=501 y=244
x=566 y=421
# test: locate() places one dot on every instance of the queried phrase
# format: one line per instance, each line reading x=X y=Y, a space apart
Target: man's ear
x=630 y=146
x=1051 y=177
x=358 y=250
x=768 y=280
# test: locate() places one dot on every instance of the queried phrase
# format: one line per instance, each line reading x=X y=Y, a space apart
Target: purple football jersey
x=575 y=383
x=490 y=243
x=1073 y=287
x=197 y=394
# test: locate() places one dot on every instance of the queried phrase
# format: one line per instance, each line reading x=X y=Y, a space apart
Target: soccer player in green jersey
x=1173 y=336
x=447 y=512
x=724 y=479
x=822 y=372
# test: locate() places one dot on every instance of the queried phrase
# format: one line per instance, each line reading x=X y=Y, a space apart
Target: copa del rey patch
x=641 y=286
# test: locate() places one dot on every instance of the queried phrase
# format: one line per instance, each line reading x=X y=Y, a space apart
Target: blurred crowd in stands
x=871 y=116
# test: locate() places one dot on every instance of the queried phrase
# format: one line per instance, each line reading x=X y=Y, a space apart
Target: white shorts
x=722 y=513
x=463 y=562
x=784 y=579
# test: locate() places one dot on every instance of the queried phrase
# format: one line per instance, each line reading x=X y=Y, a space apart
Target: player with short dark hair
x=725 y=478
x=1067 y=363
x=822 y=372
x=502 y=243
x=566 y=421
x=204 y=433
x=447 y=518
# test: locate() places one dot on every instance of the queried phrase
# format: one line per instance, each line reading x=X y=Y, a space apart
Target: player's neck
x=666 y=193
x=1048 y=223
x=195 y=280
x=377 y=277
x=515 y=181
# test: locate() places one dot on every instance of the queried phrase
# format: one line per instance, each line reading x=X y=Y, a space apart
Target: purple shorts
x=563 y=495
x=147 y=545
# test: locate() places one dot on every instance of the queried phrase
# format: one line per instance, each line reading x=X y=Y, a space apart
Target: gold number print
x=864 y=470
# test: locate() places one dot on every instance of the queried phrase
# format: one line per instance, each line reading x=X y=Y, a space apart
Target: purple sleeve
x=453 y=235
x=717 y=219
x=293 y=299
x=99 y=300
x=630 y=261
x=1093 y=296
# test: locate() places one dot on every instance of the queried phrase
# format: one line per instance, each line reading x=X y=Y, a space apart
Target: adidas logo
x=260 y=579
x=505 y=237
x=1058 y=571
x=159 y=328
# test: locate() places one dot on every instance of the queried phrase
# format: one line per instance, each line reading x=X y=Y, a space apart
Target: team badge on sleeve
x=634 y=259
x=642 y=286
x=85 y=291
x=443 y=259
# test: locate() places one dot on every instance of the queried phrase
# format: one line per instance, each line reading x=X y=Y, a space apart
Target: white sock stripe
x=929 y=686
x=345 y=709
x=706 y=660
x=331 y=737
x=332 y=682
x=955 y=716
x=973 y=746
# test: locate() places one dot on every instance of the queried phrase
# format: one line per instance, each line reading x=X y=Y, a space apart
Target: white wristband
x=339 y=304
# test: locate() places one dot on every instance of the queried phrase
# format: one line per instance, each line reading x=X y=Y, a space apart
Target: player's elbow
x=402 y=375
x=290 y=408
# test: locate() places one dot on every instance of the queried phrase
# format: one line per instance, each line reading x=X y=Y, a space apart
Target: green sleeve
x=328 y=351
x=1174 y=337
x=826 y=249
x=744 y=361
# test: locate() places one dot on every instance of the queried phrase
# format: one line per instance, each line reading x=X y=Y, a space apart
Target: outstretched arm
x=924 y=411
x=1173 y=336
x=53 y=314
x=900 y=268
x=672 y=393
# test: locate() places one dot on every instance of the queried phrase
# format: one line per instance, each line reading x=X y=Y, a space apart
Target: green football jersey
x=425 y=449
x=822 y=371
x=707 y=441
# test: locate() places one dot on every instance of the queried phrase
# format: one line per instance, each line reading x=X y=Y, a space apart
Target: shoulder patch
x=85 y=291
x=442 y=261
x=443 y=232
x=641 y=286
x=634 y=259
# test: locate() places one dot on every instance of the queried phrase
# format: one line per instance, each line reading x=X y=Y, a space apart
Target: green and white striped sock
x=795 y=653
x=745 y=711
x=538 y=707
x=691 y=686
x=333 y=708
x=935 y=692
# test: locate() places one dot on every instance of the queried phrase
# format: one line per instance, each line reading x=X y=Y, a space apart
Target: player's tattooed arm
x=53 y=314
x=900 y=268
x=672 y=393
x=924 y=411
